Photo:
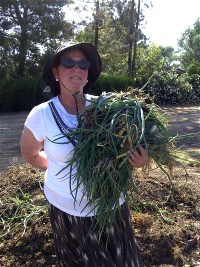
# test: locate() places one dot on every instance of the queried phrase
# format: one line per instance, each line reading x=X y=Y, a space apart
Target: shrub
x=194 y=80
x=173 y=88
x=108 y=83
x=166 y=88
x=20 y=94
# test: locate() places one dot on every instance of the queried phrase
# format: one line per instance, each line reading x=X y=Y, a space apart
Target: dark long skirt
x=73 y=249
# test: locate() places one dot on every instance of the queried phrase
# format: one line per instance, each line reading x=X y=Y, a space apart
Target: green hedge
x=24 y=93
x=172 y=88
x=194 y=80
x=109 y=83
x=20 y=94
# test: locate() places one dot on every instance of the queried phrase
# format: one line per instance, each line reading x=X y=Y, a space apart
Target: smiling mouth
x=76 y=78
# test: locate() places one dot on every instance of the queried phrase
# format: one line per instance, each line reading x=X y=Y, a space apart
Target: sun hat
x=91 y=54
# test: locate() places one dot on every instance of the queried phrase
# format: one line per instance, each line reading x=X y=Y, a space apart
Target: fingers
x=137 y=159
x=142 y=151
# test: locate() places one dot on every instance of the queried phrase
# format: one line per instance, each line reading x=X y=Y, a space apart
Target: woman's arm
x=31 y=150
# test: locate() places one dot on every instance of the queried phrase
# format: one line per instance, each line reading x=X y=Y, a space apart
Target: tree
x=132 y=59
x=96 y=19
x=110 y=43
x=189 y=44
x=153 y=59
x=28 y=28
x=127 y=15
x=96 y=38
x=118 y=34
x=130 y=37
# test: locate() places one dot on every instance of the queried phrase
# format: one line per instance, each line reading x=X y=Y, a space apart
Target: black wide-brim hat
x=88 y=50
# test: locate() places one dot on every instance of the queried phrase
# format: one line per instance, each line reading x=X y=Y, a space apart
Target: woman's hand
x=138 y=160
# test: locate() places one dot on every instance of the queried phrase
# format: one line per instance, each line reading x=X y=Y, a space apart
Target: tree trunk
x=22 y=16
x=135 y=42
x=96 y=38
x=22 y=53
x=130 y=39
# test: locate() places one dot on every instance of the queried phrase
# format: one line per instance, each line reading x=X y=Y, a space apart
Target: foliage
x=189 y=44
x=20 y=94
x=153 y=59
x=114 y=34
x=194 y=80
x=108 y=83
x=28 y=39
x=127 y=15
x=166 y=88
x=172 y=88
x=111 y=49
x=27 y=30
x=24 y=93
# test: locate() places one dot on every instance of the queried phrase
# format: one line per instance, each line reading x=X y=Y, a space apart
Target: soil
x=165 y=218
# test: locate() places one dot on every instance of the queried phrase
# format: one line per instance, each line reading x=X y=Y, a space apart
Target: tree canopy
x=30 y=31
x=189 y=44
x=29 y=27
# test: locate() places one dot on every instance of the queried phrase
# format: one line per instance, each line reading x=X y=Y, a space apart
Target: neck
x=73 y=104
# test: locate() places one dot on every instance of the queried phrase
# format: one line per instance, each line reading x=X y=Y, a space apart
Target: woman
x=70 y=72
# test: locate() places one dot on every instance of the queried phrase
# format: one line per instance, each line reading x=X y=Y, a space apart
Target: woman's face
x=73 y=78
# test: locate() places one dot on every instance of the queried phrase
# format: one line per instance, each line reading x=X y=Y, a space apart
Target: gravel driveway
x=182 y=119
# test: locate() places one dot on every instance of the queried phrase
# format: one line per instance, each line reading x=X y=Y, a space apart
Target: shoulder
x=42 y=107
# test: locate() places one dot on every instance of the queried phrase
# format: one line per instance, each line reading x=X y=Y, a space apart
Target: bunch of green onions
x=112 y=125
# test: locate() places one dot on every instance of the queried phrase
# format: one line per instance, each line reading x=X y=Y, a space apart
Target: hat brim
x=91 y=54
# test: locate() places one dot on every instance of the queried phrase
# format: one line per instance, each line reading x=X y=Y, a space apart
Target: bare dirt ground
x=11 y=125
x=166 y=222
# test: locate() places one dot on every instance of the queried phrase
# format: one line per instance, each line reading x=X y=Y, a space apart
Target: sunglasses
x=70 y=63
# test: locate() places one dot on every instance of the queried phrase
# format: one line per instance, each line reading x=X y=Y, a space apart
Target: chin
x=77 y=90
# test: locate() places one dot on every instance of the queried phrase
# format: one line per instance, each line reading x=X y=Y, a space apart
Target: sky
x=168 y=19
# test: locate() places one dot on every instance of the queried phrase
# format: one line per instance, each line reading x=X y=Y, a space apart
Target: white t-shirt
x=57 y=187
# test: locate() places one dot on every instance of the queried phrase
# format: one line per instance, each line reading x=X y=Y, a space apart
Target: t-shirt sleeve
x=35 y=123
